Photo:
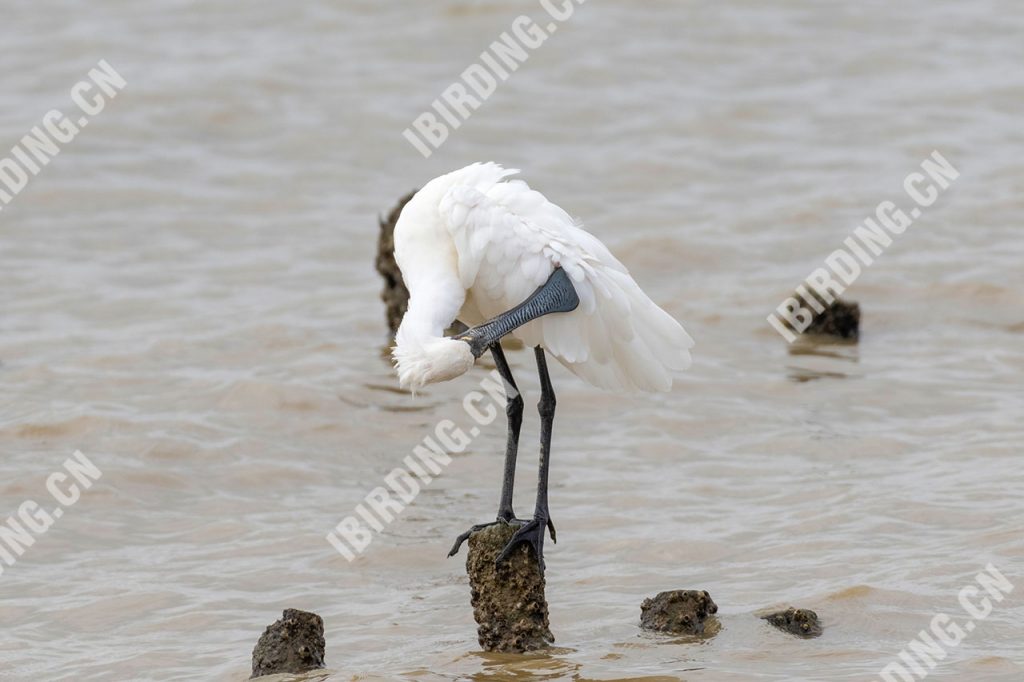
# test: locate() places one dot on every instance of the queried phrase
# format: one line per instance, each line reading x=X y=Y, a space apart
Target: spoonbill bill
x=502 y=259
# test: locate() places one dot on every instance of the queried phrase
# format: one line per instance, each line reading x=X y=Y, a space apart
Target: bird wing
x=509 y=239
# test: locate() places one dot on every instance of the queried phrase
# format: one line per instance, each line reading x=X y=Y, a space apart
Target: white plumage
x=472 y=244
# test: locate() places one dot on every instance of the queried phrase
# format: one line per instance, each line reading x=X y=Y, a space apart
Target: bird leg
x=532 y=533
x=514 y=412
x=557 y=295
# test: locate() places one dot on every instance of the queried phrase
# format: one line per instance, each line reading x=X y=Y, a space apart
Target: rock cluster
x=681 y=612
x=294 y=644
x=508 y=598
x=800 y=622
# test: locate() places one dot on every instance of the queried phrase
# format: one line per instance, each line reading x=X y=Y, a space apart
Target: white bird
x=502 y=259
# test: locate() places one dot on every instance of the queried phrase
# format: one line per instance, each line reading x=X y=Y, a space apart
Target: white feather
x=495 y=241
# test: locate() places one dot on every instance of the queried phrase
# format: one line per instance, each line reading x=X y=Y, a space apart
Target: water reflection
x=822 y=357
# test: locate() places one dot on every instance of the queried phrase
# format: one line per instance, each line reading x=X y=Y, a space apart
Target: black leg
x=546 y=408
x=532 y=533
x=557 y=295
x=514 y=412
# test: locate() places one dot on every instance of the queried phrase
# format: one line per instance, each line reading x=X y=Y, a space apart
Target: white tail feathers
x=625 y=343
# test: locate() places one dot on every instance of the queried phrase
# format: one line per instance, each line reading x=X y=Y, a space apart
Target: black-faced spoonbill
x=501 y=258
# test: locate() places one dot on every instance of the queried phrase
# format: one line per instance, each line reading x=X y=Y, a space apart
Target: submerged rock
x=678 y=611
x=394 y=294
x=839 y=318
x=508 y=599
x=294 y=644
x=799 y=622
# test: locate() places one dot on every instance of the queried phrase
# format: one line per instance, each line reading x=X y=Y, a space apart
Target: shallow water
x=188 y=297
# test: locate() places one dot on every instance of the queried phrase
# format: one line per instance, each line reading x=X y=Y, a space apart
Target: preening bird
x=502 y=259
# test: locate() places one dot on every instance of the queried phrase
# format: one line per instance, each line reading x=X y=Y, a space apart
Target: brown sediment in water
x=508 y=598
x=681 y=612
x=293 y=644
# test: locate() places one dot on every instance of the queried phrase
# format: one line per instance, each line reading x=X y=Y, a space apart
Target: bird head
x=428 y=361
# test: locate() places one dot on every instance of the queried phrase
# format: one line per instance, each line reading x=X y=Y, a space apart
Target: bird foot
x=532 y=534
x=511 y=520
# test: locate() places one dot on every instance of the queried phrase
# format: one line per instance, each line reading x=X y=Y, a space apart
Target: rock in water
x=508 y=599
x=839 y=318
x=294 y=644
x=799 y=622
x=395 y=295
x=680 y=612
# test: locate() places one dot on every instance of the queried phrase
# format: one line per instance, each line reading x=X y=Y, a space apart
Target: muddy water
x=187 y=296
